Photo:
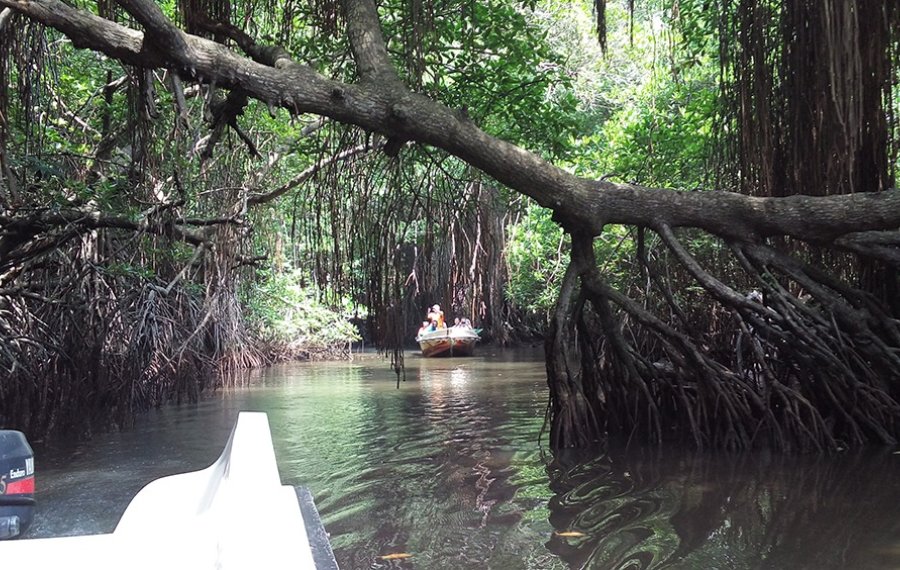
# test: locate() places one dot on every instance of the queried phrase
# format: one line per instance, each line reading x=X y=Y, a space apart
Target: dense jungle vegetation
x=192 y=188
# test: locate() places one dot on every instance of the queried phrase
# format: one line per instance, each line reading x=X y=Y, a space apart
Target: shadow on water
x=644 y=509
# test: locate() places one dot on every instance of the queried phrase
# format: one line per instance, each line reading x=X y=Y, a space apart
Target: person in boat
x=426 y=326
x=436 y=316
x=465 y=323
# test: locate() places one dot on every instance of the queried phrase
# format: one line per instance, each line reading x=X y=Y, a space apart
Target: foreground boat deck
x=235 y=514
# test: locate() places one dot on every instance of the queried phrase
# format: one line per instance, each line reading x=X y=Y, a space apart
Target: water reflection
x=432 y=469
x=682 y=509
x=447 y=468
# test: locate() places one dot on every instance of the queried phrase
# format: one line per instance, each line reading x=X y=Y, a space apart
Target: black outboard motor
x=16 y=484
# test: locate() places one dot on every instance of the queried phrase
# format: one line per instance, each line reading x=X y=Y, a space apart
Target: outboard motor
x=16 y=484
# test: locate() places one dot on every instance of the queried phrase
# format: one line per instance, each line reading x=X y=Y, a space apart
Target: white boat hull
x=453 y=341
x=234 y=514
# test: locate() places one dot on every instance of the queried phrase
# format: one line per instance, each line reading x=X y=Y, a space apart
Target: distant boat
x=452 y=341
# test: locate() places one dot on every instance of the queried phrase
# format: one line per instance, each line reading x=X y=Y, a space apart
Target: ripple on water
x=447 y=469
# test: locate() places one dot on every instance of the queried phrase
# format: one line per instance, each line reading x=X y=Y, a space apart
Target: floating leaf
x=397 y=556
x=569 y=533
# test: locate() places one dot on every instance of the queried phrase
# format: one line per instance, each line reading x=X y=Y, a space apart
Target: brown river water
x=447 y=470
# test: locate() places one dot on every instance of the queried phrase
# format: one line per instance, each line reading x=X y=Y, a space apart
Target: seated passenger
x=436 y=316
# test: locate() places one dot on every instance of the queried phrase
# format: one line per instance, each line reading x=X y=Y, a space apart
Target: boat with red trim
x=452 y=341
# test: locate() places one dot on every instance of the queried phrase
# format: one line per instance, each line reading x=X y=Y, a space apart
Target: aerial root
x=804 y=361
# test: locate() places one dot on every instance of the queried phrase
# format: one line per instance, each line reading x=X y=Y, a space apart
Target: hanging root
x=783 y=354
x=573 y=412
x=88 y=339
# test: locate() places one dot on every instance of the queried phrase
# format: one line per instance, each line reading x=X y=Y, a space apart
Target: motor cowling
x=16 y=484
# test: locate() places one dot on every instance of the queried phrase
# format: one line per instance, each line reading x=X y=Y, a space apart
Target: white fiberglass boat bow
x=235 y=514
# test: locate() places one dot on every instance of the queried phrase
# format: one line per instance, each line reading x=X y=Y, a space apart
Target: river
x=447 y=469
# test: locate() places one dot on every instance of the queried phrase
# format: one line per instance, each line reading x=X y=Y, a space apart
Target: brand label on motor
x=16 y=473
x=29 y=466
x=18 y=486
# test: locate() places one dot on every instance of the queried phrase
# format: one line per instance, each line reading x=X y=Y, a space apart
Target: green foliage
x=649 y=113
x=284 y=312
x=496 y=63
x=537 y=254
x=646 y=116
x=662 y=140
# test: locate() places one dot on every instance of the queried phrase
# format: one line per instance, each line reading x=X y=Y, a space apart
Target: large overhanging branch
x=379 y=103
